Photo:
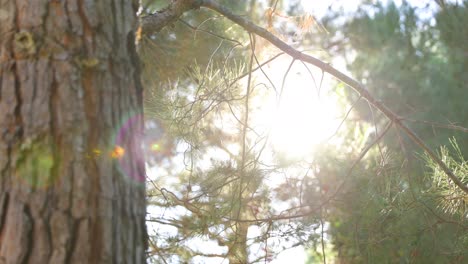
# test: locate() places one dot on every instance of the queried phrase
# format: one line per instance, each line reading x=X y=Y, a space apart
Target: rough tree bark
x=71 y=171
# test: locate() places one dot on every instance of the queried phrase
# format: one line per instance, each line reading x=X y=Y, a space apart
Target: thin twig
x=345 y=117
x=209 y=32
x=436 y=124
x=322 y=240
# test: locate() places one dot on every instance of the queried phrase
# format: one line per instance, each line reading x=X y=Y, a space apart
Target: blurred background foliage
x=394 y=206
x=394 y=211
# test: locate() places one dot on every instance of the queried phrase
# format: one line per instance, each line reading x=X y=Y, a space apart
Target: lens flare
x=127 y=148
x=118 y=152
x=155 y=147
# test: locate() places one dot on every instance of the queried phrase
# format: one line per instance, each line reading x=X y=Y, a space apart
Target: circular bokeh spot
x=156 y=144
x=126 y=150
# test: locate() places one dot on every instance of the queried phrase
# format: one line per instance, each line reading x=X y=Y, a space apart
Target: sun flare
x=303 y=122
x=303 y=116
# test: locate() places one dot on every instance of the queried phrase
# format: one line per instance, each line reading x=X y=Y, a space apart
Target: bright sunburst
x=303 y=121
x=304 y=115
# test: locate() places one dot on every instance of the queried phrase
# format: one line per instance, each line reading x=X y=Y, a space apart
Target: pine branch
x=154 y=23
x=357 y=86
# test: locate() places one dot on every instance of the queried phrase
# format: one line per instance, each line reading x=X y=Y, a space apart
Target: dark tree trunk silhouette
x=71 y=171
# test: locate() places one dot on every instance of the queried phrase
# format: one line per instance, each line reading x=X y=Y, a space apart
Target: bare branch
x=155 y=22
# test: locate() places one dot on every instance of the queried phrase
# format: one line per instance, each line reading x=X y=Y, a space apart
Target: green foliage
x=451 y=199
x=403 y=62
x=195 y=92
x=390 y=212
x=220 y=172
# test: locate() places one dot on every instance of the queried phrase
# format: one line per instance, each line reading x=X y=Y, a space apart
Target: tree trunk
x=71 y=171
x=237 y=252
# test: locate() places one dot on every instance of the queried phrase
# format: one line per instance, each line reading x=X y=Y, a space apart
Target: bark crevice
x=4 y=201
